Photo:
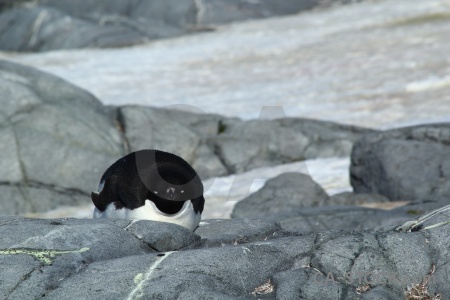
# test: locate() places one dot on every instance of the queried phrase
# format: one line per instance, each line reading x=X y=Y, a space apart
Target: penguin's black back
x=149 y=174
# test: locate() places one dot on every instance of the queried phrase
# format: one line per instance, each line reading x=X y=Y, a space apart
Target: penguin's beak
x=171 y=193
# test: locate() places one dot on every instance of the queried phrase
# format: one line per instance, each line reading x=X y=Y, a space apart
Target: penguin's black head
x=170 y=184
x=173 y=181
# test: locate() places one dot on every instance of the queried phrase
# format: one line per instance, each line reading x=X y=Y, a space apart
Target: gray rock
x=434 y=229
x=349 y=198
x=339 y=217
x=80 y=24
x=378 y=293
x=171 y=13
x=281 y=194
x=216 y=145
x=259 y=143
x=14 y=270
x=207 y=163
x=219 y=11
x=49 y=258
x=218 y=232
x=350 y=218
x=147 y=128
x=307 y=283
x=55 y=142
x=162 y=236
x=52 y=250
x=185 y=13
x=404 y=164
x=25 y=198
x=45 y=28
x=79 y=129
x=326 y=139
x=233 y=271
x=181 y=133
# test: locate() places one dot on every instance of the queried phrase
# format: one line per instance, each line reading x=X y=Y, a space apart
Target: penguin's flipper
x=107 y=195
x=95 y=198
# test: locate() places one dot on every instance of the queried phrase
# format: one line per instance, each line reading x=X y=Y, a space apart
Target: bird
x=153 y=185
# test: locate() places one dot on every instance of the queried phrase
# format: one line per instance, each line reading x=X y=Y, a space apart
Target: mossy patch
x=221 y=127
x=414 y=212
x=138 y=278
x=45 y=256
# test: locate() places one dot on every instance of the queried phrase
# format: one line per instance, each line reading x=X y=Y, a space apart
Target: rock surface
x=217 y=145
x=349 y=198
x=404 y=164
x=284 y=193
x=104 y=259
x=45 y=28
x=258 y=143
x=221 y=232
x=47 y=24
x=348 y=218
x=55 y=141
x=181 y=133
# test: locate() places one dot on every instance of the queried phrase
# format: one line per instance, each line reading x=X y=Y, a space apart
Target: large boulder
x=216 y=145
x=226 y=11
x=57 y=249
x=45 y=28
x=48 y=24
x=403 y=164
x=177 y=14
x=181 y=133
x=350 y=198
x=183 y=13
x=283 y=193
x=106 y=259
x=348 y=217
x=222 y=232
x=55 y=141
x=258 y=143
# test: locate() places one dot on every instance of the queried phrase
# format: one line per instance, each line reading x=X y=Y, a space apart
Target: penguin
x=152 y=185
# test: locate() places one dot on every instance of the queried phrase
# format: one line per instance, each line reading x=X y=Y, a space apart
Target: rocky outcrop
x=217 y=145
x=259 y=143
x=57 y=140
x=46 y=28
x=404 y=164
x=348 y=217
x=300 y=205
x=47 y=25
x=105 y=259
x=284 y=193
x=182 y=133
x=350 y=198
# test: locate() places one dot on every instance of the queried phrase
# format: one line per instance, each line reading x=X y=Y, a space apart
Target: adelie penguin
x=152 y=185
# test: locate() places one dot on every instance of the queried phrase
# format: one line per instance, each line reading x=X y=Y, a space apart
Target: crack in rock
x=23 y=279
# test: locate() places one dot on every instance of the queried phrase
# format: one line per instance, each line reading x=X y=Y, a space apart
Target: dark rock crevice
x=120 y=124
x=24 y=279
x=50 y=187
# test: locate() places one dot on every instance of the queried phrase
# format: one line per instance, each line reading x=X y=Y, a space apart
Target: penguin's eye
x=182 y=191
x=156 y=192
